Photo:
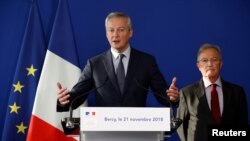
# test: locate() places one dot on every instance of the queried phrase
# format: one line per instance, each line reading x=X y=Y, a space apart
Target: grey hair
x=206 y=46
x=117 y=15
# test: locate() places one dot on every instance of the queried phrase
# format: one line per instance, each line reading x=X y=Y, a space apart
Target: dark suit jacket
x=195 y=112
x=99 y=75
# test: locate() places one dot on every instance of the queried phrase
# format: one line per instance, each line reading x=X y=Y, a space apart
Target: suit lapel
x=131 y=69
x=108 y=64
x=200 y=90
x=109 y=67
x=203 y=100
x=226 y=97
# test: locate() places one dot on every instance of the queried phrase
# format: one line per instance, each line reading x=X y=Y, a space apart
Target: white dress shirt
x=208 y=89
x=125 y=59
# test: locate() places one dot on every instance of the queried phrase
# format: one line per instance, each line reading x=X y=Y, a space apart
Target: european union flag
x=29 y=65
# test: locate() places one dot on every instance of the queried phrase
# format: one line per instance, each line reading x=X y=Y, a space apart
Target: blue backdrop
x=171 y=30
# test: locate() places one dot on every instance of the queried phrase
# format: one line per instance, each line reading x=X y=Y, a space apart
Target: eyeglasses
x=212 y=60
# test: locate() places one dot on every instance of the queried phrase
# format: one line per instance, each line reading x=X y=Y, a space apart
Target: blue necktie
x=120 y=73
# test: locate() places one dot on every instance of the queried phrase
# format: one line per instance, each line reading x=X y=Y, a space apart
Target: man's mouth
x=116 y=41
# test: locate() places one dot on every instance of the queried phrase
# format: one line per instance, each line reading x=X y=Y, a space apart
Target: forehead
x=210 y=52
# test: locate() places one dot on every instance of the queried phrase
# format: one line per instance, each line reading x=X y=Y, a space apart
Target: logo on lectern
x=90 y=113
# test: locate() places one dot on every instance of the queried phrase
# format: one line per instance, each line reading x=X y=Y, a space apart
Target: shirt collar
x=116 y=54
x=207 y=83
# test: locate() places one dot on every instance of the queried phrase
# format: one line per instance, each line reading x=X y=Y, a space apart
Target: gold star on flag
x=18 y=87
x=21 y=128
x=14 y=108
x=31 y=70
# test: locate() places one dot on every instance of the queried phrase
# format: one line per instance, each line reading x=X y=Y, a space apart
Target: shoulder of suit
x=230 y=84
x=192 y=86
x=141 y=53
x=100 y=56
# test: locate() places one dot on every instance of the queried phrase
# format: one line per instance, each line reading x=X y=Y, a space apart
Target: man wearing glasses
x=211 y=103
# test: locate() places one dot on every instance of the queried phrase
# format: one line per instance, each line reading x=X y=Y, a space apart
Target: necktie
x=120 y=73
x=215 y=107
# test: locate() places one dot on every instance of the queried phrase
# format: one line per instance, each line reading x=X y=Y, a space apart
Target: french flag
x=61 y=65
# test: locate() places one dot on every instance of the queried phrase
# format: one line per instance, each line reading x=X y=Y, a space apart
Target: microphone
x=70 y=121
x=175 y=122
x=160 y=95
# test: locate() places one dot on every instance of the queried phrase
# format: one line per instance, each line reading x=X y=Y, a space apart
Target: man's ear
x=131 y=33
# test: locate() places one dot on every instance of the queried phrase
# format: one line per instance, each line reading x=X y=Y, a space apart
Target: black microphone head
x=70 y=124
x=175 y=123
x=70 y=121
x=71 y=127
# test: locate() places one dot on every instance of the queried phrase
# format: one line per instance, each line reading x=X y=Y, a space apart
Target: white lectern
x=123 y=124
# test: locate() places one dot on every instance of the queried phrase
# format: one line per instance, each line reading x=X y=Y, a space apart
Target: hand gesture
x=62 y=95
x=173 y=91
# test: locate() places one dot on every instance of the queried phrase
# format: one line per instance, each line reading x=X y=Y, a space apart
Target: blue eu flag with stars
x=29 y=65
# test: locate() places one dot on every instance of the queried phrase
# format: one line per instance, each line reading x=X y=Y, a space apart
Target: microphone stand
x=174 y=122
x=70 y=121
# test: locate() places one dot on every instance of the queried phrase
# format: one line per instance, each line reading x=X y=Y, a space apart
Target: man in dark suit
x=202 y=106
x=139 y=73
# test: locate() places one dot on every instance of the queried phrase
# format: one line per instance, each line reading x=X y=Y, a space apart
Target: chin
x=116 y=46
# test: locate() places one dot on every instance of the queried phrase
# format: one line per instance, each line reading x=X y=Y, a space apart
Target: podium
x=123 y=124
